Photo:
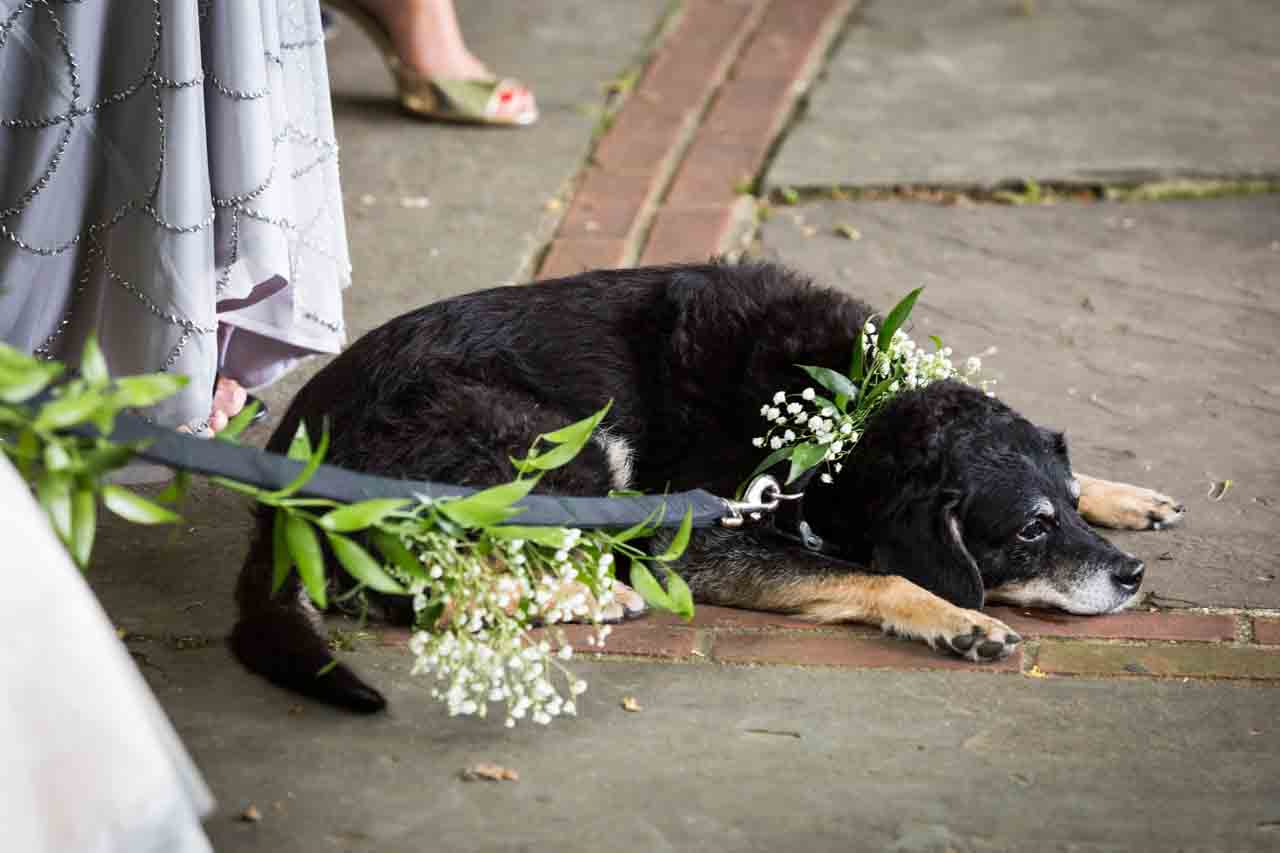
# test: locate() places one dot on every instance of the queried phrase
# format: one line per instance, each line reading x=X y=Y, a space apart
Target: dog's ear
x=925 y=544
x=1057 y=442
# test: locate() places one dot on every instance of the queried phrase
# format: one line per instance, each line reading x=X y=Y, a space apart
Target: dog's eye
x=1033 y=530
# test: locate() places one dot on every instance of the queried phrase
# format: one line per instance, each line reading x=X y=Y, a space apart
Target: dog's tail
x=282 y=638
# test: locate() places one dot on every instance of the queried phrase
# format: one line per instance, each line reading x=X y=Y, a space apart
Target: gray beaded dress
x=169 y=180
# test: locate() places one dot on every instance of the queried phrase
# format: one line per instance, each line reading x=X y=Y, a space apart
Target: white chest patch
x=619 y=456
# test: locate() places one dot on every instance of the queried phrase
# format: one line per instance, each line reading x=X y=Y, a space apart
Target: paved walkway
x=789 y=128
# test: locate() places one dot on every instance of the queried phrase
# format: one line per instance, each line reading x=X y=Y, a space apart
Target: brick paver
x=693 y=134
x=836 y=649
x=1133 y=625
x=1266 y=631
x=1196 y=660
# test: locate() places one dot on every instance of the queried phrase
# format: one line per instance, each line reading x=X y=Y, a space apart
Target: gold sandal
x=464 y=101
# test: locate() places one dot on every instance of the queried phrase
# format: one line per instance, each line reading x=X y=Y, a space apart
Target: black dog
x=949 y=499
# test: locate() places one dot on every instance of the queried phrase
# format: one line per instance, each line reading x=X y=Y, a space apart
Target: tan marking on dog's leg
x=898 y=606
x=1126 y=507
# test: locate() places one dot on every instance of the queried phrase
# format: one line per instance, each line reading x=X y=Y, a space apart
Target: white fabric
x=90 y=763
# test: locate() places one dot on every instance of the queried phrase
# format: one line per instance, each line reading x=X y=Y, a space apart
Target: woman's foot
x=229 y=398
x=428 y=41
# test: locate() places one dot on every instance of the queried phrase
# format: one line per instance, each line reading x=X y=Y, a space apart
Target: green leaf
x=805 y=457
x=136 y=508
x=571 y=438
x=281 y=559
x=177 y=488
x=359 y=516
x=231 y=432
x=93 y=367
x=20 y=381
x=579 y=431
x=642 y=529
x=304 y=547
x=54 y=492
x=68 y=410
x=896 y=318
x=489 y=507
x=398 y=555
x=317 y=457
x=642 y=581
x=856 y=366
x=681 y=597
x=25 y=452
x=361 y=566
x=142 y=391
x=244 y=489
x=937 y=341
x=769 y=461
x=300 y=447
x=836 y=383
x=56 y=457
x=874 y=394
x=106 y=457
x=84 y=521
x=681 y=540
x=553 y=458
x=549 y=537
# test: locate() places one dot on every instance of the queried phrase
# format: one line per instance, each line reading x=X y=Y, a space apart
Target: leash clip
x=763 y=495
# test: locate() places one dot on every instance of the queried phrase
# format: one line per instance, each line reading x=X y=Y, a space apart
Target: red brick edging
x=666 y=180
x=1153 y=644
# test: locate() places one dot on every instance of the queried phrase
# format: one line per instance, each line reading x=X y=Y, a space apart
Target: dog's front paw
x=1125 y=507
x=966 y=633
x=986 y=639
x=979 y=638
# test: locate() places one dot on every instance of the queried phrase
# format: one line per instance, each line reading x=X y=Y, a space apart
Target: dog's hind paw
x=980 y=638
x=573 y=602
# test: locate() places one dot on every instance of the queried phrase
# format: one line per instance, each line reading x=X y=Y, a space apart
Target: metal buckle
x=764 y=494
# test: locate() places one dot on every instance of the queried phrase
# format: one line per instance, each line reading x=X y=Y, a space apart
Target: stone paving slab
x=1147 y=331
x=740 y=758
x=487 y=187
x=977 y=92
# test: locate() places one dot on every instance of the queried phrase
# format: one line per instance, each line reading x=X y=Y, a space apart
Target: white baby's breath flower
x=788 y=436
x=808 y=394
x=826 y=478
x=775 y=443
x=792 y=408
x=780 y=398
x=758 y=441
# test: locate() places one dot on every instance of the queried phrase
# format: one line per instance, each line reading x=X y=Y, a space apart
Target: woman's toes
x=229 y=397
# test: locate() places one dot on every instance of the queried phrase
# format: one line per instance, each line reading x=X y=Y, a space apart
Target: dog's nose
x=1128 y=575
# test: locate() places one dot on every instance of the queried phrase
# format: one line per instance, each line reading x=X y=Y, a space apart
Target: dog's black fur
x=947 y=488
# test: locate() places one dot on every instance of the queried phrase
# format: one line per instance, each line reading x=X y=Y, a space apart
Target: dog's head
x=958 y=493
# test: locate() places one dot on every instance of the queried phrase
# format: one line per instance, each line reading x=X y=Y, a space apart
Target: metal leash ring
x=763 y=495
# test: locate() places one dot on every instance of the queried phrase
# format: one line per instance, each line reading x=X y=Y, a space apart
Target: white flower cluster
x=479 y=647
x=807 y=418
